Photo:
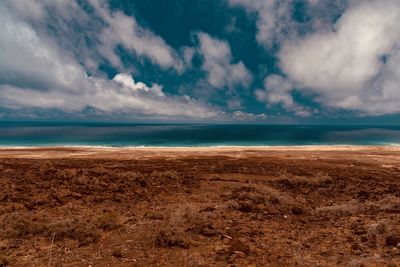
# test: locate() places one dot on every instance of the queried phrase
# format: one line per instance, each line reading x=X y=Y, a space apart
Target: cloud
x=37 y=74
x=218 y=64
x=244 y=116
x=127 y=81
x=188 y=54
x=124 y=30
x=345 y=55
x=277 y=91
x=356 y=65
x=45 y=73
x=107 y=98
x=29 y=62
x=273 y=18
x=94 y=33
x=33 y=9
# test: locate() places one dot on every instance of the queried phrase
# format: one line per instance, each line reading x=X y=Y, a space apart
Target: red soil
x=69 y=207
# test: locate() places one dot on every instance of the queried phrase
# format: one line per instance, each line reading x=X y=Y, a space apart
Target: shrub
x=107 y=221
x=18 y=226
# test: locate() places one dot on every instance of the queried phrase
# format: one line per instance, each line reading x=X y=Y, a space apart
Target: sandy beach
x=215 y=206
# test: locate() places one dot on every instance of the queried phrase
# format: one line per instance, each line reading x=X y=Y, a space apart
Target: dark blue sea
x=122 y=135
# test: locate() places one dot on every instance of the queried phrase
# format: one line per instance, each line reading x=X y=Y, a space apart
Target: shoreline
x=91 y=152
x=214 y=148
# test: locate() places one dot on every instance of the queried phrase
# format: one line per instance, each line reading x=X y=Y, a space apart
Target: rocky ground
x=74 y=207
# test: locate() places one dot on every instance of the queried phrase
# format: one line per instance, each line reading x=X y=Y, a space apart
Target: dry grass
x=154 y=215
x=107 y=221
x=194 y=260
x=168 y=238
x=261 y=198
x=389 y=203
x=340 y=209
x=17 y=226
x=317 y=179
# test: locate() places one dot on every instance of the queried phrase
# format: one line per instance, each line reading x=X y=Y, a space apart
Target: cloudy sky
x=201 y=60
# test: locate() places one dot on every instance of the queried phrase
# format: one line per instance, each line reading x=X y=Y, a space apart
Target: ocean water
x=122 y=135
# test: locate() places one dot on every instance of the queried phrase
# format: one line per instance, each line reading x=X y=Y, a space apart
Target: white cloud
x=355 y=66
x=275 y=22
x=350 y=63
x=107 y=98
x=127 y=81
x=273 y=18
x=27 y=61
x=40 y=72
x=36 y=73
x=244 y=116
x=28 y=9
x=124 y=30
x=277 y=91
x=188 y=54
x=218 y=63
x=91 y=36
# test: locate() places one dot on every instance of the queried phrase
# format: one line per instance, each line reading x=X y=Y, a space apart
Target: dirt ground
x=204 y=207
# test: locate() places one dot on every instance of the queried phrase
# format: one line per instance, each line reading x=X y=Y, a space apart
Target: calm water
x=103 y=134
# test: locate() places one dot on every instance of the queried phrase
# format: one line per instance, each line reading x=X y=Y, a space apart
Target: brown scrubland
x=321 y=206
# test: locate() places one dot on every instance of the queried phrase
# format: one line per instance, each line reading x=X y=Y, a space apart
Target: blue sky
x=267 y=61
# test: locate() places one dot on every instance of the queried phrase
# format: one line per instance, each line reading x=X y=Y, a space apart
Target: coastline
x=173 y=152
x=213 y=147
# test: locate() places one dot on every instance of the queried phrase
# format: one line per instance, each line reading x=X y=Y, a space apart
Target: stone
x=219 y=248
x=238 y=245
x=392 y=240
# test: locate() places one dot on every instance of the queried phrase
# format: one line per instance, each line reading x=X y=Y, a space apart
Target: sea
x=34 y=134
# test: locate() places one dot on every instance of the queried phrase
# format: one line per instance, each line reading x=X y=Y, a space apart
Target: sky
x=262 y=61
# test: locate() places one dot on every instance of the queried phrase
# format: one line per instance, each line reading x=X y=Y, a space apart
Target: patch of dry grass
x=16 y=226
x=107 y=221
x=389 y=203
x=174 y=237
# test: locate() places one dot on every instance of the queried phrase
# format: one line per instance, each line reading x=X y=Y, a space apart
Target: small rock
x=209 y=232
x=219 y=248
x=355 y=246
x=205 y=229
x=376 y=256
x=239 y=254
x=297 y=210
x=238 y=245
x=208 y=209
x=245 y=207
x=117 y=253
x=226 y=241
x=360 y=231
x=325 y=253
x=169 y=239
x=392 y=240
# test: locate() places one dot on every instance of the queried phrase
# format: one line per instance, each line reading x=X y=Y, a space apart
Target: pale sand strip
x=145 y=152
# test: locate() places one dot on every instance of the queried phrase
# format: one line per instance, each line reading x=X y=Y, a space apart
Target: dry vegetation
x=325 y=208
